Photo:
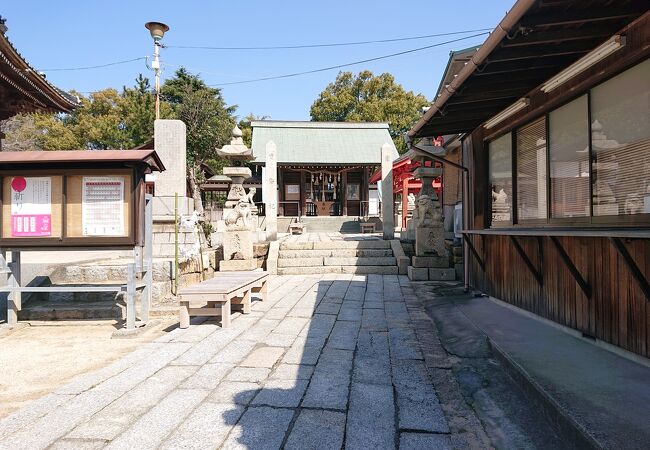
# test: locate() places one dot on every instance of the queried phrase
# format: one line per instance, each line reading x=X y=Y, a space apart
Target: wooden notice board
x=71 y=207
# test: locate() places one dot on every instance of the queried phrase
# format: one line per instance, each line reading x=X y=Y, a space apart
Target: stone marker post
x=387 y=215
x=271 y=189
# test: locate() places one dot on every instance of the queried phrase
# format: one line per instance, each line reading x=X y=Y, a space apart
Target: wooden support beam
x=472 y=249
x=517 y=53
x=559 y=35
x=536 y=273
x=631 y=266
x=584 y=15
x=586 y=288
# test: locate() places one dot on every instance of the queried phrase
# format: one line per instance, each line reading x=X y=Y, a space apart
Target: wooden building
x=323 y=167
x=555 y=112
x=22 y=89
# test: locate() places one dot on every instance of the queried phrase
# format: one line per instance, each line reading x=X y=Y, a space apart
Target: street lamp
x=157 y=31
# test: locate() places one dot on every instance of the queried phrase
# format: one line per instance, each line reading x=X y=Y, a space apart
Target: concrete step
x=386 y=261
x=370 y=244
x=425 y=274
x=73 y=311
x=314 y=270
x=330 y=261
x=337 y=253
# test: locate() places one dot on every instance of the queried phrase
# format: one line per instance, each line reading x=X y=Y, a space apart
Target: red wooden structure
x=403 y=181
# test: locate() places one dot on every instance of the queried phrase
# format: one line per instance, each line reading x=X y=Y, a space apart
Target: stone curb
x=566 y=426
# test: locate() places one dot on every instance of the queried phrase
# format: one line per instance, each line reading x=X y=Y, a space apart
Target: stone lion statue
x=241 y=211
x=428 y=213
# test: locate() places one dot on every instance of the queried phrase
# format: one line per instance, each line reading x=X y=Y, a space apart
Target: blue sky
x=74 y=33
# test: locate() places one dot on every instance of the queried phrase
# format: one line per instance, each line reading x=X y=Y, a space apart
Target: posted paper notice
x=103 y=206
x=31 y=206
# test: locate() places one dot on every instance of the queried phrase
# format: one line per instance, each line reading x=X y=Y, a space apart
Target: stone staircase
x=337 y=256
x=106 y=305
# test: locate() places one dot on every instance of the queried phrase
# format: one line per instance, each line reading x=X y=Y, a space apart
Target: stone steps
x=346 y=257
x=337 y=253
x=317 y=270
x=370 y=244
x=334 y=261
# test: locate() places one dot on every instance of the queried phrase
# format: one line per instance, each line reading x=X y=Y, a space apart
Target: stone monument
x=431 y=260
x=427 y=216
x=240 y=214
x=387 y=214
x=271 y=191
x=170 y=144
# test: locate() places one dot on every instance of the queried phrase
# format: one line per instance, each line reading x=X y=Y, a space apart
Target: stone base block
x=418 y=273
x=402 y=264
x=442 y=274
x=460 y=271
x=238 y=243
x=429 y=240
x=430 y=261
x=235 y=265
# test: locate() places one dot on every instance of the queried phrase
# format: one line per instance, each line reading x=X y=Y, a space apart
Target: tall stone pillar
x=170 y=145
x=387 y=214
x=271 y=189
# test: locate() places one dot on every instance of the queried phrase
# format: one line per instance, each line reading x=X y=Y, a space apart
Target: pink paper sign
x=31 y=225
x=31 y=206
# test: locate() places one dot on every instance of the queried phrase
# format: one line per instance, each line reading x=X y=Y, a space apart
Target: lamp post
x=157 y=31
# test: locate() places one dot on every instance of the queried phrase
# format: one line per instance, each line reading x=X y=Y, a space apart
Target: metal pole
x=156 y=68
x=176 y=243
x=145 y=301
x=130 y=296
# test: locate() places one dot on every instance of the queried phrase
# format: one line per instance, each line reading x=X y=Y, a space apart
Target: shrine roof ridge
x=312 y=124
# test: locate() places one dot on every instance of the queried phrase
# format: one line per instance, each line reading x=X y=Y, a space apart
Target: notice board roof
x=126 y=157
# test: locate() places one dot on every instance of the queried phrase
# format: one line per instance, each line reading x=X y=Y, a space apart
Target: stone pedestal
x=237 y=245
x=387 y=213
x=430 y=241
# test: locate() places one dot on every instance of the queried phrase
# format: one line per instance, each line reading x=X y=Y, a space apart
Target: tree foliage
x=369 y=98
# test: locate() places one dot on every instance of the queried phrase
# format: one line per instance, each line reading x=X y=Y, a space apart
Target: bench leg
x=264 y=291
x=185 y=315
x=225 y=314
x=246 y=302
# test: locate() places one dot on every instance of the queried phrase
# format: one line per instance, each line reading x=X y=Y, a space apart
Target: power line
x=94 y=67
x=336 y=44
x=340 y=66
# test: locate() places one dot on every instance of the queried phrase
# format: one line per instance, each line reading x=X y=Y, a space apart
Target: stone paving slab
x=317 y=429
x=260 y=427
x=371 y=417
x=150 y=430
x=207 y=427
x=329 y=361
x=422 y=441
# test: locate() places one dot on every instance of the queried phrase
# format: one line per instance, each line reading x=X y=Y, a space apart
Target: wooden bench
x=214 y=297
x=367 y=227
x=297 y=228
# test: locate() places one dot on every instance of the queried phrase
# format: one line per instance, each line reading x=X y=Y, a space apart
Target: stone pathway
x=330 y=361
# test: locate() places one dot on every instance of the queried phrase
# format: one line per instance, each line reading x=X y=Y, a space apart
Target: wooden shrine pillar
x=344 y=193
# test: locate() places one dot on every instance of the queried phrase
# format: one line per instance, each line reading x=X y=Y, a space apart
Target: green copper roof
x=321 y=142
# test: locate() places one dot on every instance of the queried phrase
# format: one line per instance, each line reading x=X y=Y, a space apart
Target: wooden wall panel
x=617 y=312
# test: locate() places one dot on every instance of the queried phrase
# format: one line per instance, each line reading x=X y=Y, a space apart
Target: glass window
x=620 y=138
x=531 y=171
x=500 y=178
x=569 y=159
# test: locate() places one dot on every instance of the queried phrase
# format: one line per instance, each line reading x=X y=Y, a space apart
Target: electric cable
x=336 y=44
x=340 y=66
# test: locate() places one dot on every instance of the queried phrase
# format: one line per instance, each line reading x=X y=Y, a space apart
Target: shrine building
x=324 y=168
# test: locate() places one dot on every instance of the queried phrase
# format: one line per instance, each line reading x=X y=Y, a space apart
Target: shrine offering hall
x=324 y=168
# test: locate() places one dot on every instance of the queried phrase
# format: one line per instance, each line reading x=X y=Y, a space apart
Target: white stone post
x=271 y=190
x=387 y=215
